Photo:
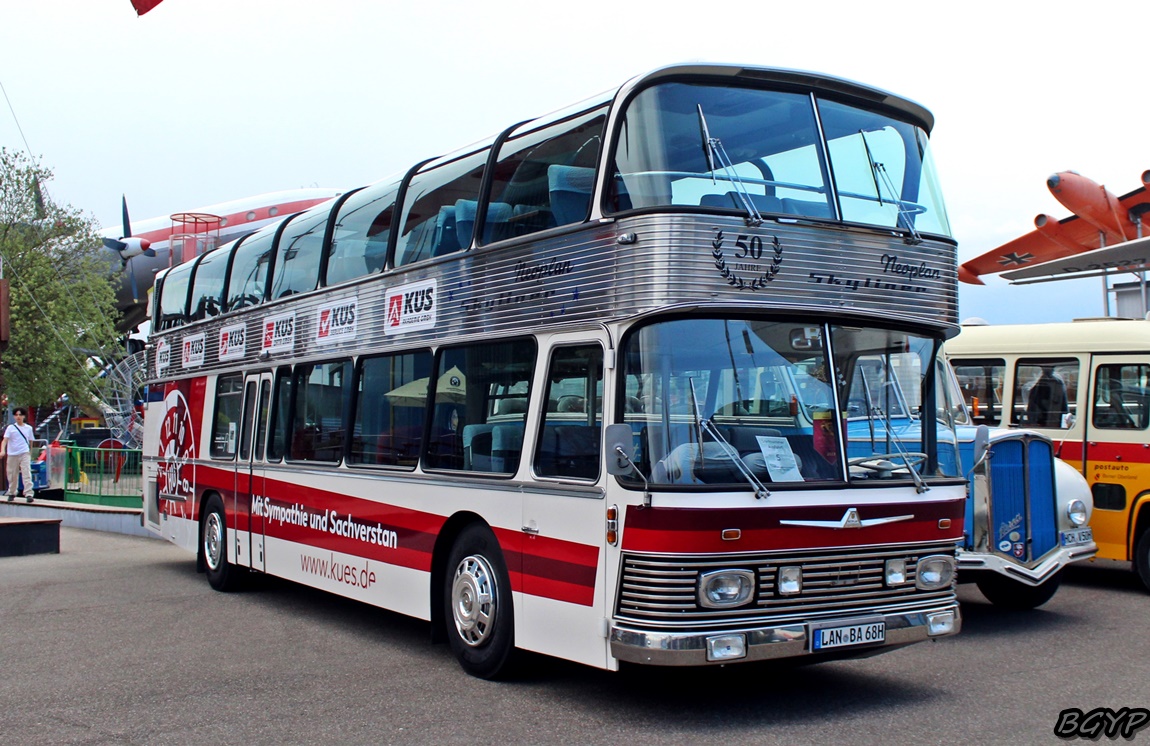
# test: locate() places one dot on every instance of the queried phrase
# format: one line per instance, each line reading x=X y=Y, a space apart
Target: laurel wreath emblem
x=738 y=282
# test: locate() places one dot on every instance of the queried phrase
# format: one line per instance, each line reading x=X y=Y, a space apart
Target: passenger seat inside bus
x=570 y=190
x=762 y=202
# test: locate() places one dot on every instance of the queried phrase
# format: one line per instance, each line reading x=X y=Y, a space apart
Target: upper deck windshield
x=711 y=399
x=782 y=153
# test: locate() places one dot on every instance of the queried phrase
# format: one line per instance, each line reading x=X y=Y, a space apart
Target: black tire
x=222 y=575
x=477 y=607
x=1142 y=558
x=1011 y=594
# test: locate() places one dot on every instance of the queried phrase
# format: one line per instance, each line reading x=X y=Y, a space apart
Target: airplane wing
x=1052 y=239
x=1131 y=256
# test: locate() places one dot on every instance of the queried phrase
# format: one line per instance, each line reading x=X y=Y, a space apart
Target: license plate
x=845 y=634
x=1078 y=536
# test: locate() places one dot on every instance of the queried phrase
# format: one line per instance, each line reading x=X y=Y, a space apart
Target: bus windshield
x=742 y=148
x=711 y=399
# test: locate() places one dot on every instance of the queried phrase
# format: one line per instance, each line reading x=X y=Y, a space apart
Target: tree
x=63 y=308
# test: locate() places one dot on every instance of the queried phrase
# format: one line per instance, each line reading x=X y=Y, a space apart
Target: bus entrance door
x=251 y=467
x=1116 y=464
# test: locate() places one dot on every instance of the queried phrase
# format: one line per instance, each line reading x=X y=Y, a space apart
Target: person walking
x=17 y=446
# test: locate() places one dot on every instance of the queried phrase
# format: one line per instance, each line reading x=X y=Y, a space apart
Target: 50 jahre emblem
x=748 y=268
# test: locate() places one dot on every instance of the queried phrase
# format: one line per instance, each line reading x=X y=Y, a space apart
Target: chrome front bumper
x=766 y=642
x=1037 y=575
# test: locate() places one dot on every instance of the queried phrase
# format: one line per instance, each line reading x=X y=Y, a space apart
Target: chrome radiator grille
x=662 y=590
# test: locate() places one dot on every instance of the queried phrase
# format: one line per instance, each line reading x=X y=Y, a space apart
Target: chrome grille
x=661 y=590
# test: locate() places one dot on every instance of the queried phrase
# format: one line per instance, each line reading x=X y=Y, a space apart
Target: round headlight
x=726 y=588
x=935 y=572
x=1076 y=512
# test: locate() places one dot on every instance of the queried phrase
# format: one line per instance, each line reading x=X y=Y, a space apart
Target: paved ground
x=117 y=640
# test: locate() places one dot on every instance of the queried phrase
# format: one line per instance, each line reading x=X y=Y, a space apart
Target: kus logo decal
x=163 y=356
x=411 y=307
x=193 y=351
x=232 y=342
x=278 y=334
x=335 y=322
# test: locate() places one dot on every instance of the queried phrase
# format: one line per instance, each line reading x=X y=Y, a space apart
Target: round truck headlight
x=934 y=572
x=726 y=588
x=1076 y=512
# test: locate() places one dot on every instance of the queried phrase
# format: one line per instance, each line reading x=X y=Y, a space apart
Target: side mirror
x=981 y=442
x=619 y=442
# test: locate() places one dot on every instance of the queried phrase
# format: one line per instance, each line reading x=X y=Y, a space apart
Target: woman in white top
x=17 y=446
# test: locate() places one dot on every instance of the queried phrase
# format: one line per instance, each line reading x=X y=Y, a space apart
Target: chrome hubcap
x=474 y=600
x=214 y=540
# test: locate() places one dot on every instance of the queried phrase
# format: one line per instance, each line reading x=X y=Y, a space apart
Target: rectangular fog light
x=941 y=623
x=726 y=647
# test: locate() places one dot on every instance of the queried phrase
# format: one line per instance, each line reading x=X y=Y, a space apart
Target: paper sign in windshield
x=781 y=462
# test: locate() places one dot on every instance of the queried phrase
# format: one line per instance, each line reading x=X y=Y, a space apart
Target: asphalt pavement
x=117 y=640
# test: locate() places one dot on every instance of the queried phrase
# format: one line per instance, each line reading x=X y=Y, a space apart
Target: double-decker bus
x=582 y=388
x=1086 y=386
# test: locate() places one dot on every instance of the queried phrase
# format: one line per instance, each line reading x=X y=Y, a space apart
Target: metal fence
x=104 y=476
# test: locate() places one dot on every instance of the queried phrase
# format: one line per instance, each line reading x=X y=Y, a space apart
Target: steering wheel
x=881 y=462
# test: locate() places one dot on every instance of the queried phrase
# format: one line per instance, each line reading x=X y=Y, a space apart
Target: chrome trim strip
x=763 y=643
x=1032 y=576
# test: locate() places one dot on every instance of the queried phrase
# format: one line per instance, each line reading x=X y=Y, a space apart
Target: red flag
x=143 y=6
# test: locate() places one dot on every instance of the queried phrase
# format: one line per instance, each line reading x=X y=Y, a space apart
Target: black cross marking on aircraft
x=1015 y=258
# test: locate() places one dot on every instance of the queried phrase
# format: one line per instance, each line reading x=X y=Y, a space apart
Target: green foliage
x=63 y=305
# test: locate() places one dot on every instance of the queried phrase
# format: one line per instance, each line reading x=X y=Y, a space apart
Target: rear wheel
x=477 y=604
x=1011 y=594
x=1142 y=558
x=222 y=575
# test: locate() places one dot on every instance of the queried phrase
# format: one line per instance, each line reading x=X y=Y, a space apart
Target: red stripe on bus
x=687 y=530
x=540 y=566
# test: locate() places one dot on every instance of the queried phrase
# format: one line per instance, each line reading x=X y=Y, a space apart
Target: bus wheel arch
x=213 y=545
x=475 y=600
x=1140 y=539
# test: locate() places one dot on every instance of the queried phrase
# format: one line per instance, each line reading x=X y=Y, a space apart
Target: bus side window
x=545 y=176
x=474 y=426
x=298 y=256
x=391 y=400
x=569 y=437
x=1045 y=392
x=280 y=416
x=249 y=273
x=359 y=237
x=226 y=422
x=981 y=382
x=1121 y=396
x=429 y=222
x=318 y=428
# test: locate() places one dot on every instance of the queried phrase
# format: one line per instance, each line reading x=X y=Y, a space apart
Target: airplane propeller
x=129 y=247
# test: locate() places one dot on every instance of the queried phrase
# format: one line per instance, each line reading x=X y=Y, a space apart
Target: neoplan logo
x=1101 y=721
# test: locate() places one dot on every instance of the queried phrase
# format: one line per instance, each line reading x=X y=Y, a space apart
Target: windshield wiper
x=707 y=426
x=879 y=173
x=714 y=151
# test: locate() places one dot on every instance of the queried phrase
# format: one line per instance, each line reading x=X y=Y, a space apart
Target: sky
x=204 y=101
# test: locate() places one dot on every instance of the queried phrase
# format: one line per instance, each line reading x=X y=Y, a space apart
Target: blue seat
x=762 y=202
x=494 y=227
x=807 y=208
x=570 y=189
x=446 y=240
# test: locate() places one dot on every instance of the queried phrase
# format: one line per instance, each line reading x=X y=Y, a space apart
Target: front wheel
x=1011 y=594
x=477 y=604
x=222 y=575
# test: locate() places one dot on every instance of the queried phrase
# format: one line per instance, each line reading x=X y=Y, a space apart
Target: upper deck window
x=174 y=296
x=544 y=177
x=362 y=227
x=439 y=208
x=208 y=289
x=248 y=277
x=724 y=147
x=298 y=253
